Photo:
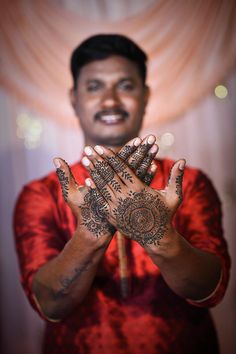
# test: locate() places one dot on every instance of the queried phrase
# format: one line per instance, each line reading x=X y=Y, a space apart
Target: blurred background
x=192 y=75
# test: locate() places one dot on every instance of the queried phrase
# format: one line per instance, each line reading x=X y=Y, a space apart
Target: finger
x=124 y=173
x=102 y=174
x=70 y=189
x=95 y=211
x=146 y=163
x=141 y=152
x=96 y=199
x=103 y=168
x=147 y=179
x=128 y=149
x=174 y=187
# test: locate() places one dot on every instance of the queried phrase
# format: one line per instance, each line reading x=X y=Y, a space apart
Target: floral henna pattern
x=94 y=213
x=105 y=175
x=64 y=181
x=119 y=167
x=142 y=217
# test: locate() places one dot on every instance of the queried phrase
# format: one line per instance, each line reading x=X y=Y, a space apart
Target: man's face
x=110 y=101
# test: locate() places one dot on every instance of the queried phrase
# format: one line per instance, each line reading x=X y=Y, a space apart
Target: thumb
x=70 y=189
x=175 y=180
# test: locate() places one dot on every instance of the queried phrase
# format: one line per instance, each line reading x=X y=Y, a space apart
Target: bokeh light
x=167 y=140
x=221 y=91
x=29 y=129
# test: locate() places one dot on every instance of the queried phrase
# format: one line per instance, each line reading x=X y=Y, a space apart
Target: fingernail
x=151 y=139
x=57 y=163
x=137 y=142
x=88 y=182
x=181 y=165
x=153 y=149
x=153 y=167
x=99 y=149
x=88 y=151
x=85 y=161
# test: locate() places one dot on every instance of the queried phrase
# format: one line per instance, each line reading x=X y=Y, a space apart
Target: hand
x=138 y=211
x=86 y=203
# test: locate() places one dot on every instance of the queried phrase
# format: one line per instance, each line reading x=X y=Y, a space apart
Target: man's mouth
x=111 y=116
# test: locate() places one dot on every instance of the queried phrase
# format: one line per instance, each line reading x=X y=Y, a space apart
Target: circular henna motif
x=142 y=217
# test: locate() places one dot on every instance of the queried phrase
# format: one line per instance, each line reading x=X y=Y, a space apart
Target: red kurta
x=153 y=319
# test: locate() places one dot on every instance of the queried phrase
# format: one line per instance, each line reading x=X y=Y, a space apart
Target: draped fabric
x=191 y=46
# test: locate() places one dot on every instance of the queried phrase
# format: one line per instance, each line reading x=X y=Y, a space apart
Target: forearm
x=61 y=284
x=189 y=272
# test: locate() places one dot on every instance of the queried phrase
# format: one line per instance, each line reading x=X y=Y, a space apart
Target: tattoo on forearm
x=68 y=281
x=94 y=214
x=142 y=217
x=64 y=181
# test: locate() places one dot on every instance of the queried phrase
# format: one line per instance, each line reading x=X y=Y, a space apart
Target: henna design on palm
x=142 y=217
x=94 y=214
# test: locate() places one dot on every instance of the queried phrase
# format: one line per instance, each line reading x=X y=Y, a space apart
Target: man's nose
x=110 y=98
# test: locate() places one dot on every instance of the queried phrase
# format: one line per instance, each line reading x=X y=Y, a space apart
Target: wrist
x=85 y=238
x=168 y=247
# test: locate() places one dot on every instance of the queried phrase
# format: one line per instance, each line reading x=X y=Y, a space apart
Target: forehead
x=113 y=67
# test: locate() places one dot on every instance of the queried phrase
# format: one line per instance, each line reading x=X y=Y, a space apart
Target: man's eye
x=126 y=86
x=92 y=87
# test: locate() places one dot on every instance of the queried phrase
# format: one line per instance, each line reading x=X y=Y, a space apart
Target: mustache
x=115 y=111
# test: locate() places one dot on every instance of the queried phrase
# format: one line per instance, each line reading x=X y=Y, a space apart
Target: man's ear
x=72 y=97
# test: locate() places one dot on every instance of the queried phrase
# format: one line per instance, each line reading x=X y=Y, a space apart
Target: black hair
x=102 y=46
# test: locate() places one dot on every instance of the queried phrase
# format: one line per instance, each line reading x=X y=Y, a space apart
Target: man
x=177 y=260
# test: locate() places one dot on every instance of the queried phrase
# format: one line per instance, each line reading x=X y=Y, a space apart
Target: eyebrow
x=128 y=78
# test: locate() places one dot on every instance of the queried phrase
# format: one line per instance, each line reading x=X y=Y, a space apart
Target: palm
x=138 y=211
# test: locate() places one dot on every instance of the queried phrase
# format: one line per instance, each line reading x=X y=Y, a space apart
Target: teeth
x=111 y=118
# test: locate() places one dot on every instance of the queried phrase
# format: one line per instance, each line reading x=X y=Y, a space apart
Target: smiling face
x=110 y=101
